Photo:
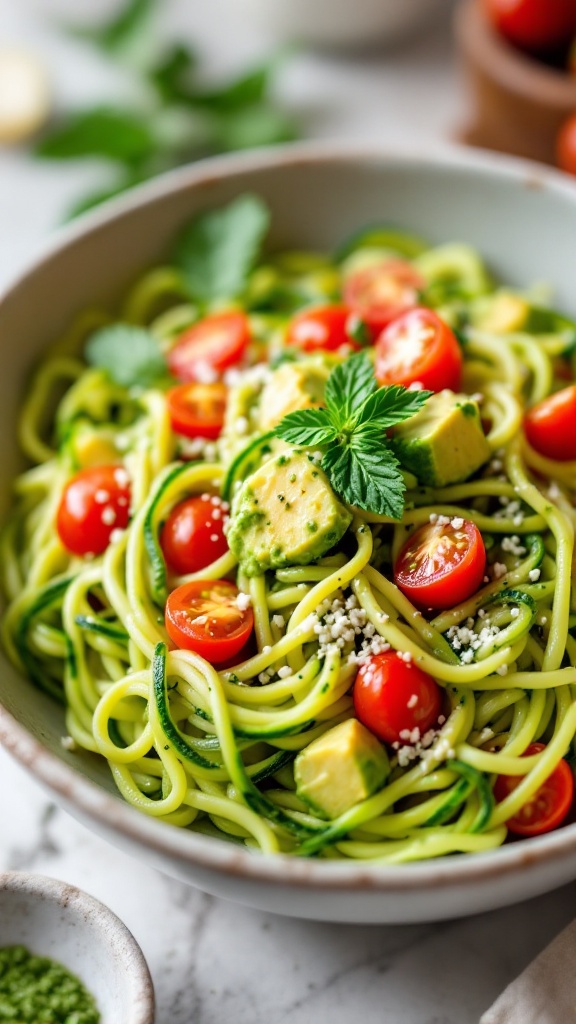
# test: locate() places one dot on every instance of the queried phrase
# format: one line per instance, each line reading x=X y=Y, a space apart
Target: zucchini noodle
x=213 y=749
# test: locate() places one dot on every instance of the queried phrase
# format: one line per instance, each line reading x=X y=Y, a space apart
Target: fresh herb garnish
x=352 y=434
x=217 y=251
x=129 y=355
x=173 y=117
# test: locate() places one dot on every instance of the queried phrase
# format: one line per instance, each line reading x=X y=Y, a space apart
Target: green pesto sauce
x=36 y=990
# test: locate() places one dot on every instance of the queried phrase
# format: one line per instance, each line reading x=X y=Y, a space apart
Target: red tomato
x=192 y=537
x=95 y=502
x=393 y=697
x=197 y=410
x=441 y=565
x=550 y=804
x=419 y=347
x=204 y=617
x=323 y=328
x=550 y=426
x=566 y=145
x=212 y=345
x=538 y=26
x=380 y=293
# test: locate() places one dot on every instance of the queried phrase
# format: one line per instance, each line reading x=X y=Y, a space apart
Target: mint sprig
x=218 y=249
x=130 y=355
x=352 y=433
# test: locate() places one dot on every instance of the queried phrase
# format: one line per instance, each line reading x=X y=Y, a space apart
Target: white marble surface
x=212 y=961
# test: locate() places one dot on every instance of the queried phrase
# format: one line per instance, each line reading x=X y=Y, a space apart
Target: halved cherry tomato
x=441 y=564
x=204 y=616
x=192 y=537
x=322 y=328
x=550 y=426
x=549 y=805
x=95 y=502
x=210 y=346
x=197 y=410
x=537 y=26
x=380 y=293
x=419 y=347
x=393 y=697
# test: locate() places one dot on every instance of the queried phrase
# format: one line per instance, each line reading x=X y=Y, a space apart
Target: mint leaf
x=217 y=251
x=393 y=404
x=307 y=427
x=171 y=73
x=130 y=355
x=102 y=132
x=249 y=88
x=368 y=477
x=348 y=387
x=124 y=32
x=258 y=125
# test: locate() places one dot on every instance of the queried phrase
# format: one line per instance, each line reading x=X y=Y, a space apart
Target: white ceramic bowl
x=522 y=217
x=341 y=24
x=57 y=920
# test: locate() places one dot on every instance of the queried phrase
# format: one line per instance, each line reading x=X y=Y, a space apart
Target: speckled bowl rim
x=122 y=944
x=184 y=846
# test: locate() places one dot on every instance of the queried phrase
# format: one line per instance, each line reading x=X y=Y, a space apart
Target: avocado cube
x=502 y=312
x=444 y=443
x=291 y=387
x=341 y=768
x=285 y=513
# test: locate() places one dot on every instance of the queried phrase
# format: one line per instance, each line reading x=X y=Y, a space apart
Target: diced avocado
x=504 y=311
x=292 y=386
x=285 y=513
x=444 y=442
x=89 y=445
x=344 y=766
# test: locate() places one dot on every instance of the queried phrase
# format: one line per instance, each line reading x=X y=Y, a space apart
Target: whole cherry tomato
x=94 y=503
x=381 y=292
x=193 y=536
x=441 y=564
x=537 y=26
x=550 y=426
x=206 y=616
x=418 y=347
x=197 y=410
x=549 y=805
x=210 y=346
x=393 y=697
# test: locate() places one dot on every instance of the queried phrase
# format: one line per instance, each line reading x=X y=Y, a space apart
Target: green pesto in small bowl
x=38 y=990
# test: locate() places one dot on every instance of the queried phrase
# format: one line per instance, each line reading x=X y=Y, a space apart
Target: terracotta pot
x=518 y=103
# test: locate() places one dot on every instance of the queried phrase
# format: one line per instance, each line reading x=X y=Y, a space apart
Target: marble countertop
x=213 y=961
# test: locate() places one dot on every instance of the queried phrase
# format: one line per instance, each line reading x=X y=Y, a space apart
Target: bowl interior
x=521 y=217
x=56 y=920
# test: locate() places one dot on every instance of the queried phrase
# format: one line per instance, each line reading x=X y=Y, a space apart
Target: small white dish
x=59 y=921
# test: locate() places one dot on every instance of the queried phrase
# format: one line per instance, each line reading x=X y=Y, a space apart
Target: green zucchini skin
x=46 y=598
x=251 y=795
x=158 y=575
x=239 y=467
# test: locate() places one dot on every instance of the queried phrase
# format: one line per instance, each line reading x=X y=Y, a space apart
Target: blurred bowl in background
x=518 y=103
x=340 y=24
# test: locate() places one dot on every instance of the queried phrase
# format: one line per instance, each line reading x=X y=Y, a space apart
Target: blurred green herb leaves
x=176 y=119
